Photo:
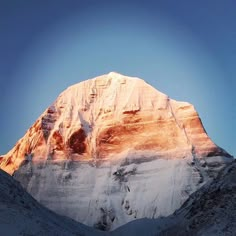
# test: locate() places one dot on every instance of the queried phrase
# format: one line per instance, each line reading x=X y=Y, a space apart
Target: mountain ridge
x=85 y=121
x=104 y=144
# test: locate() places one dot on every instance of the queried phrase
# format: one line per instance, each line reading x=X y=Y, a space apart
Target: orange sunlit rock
x=102 y=117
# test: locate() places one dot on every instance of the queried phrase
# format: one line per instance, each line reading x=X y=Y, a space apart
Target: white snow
x=112 y=192
x=126 y=184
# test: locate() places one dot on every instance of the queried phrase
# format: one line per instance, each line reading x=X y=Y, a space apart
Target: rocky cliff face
x=112 y=149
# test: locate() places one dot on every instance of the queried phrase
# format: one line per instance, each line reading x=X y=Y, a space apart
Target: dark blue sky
x=185 y=48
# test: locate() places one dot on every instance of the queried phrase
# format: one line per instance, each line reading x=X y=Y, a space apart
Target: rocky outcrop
x=93 y=137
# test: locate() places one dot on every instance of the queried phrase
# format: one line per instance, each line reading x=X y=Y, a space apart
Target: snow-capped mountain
x=113 y=149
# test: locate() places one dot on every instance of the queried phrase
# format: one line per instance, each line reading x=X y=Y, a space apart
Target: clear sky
x=184 y=48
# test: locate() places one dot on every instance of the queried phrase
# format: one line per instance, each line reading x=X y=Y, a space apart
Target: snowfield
x=113 y=149
x=110 y=194
x=211 y=210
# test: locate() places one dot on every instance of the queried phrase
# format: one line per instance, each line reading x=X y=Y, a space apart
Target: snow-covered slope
x=113 y=193
x=20 y=214
x=210 y=211
x=113 y=149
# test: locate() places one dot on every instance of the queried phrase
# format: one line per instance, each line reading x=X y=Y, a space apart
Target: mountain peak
x=115 y=75
x=106 y=147
x=118 y=76
x=110 y=114
x=112 y=79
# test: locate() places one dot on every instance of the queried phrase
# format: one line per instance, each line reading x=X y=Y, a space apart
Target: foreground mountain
x=210 y=211
x=113 y=149
x=20 y=214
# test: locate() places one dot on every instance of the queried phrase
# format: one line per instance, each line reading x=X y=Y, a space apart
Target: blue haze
x=186 y=49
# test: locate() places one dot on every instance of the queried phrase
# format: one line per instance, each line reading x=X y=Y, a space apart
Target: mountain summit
x=105 y=116
x=112 y=149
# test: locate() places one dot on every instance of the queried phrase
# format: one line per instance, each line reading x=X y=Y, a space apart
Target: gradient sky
x=184 y=48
